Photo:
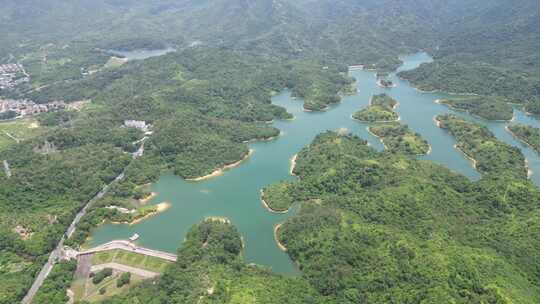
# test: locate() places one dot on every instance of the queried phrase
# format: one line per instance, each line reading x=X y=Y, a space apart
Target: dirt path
x=17 y=140
x=84 y=262
x=56 y=253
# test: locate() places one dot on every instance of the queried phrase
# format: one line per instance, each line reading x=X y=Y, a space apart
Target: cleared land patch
x=14 y=131
x=130 y=259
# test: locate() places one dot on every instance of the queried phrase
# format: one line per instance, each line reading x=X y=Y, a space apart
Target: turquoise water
x=236 y=194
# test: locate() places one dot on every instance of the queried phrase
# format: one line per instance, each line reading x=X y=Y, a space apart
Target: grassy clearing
x=85 y=290
x=376 y=113
x=130 y=259
x=20 y=129
x=115 y=62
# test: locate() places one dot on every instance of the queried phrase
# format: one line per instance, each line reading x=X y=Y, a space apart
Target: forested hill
x=393 y=230
x=210 y=269
x=343 y=31
x=491 y=49
x=500 y=33
x=398 y=230
x=460 y=242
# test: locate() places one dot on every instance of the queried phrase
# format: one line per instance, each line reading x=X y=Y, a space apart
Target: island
x=400 y=138
x=487 y=107
x=319 y=86
x=488 y=154
x=381 y=109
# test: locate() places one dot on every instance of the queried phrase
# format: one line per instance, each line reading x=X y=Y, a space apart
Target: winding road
x=56 y=253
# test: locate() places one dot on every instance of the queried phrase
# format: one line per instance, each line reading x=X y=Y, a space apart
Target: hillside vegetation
x=374 y=227
x=210 y=269
x=399 y=138
x=380 y=227
x=527 y=134
x=489 y=155
x=491 y=108
x=380 y=109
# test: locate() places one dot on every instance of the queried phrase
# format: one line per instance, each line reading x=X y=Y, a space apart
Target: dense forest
x=490 y=51
x=202 y=110
x=210 y=269
x=425 y=234
x=491 y=108
x=202 y=115
x=380 y=109
x=400 y=138
x=527 y=134
x=393 y=230
x=488 y=154
x=398 y=230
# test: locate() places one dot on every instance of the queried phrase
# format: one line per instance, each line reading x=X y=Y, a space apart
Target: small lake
x=236 y=194
x=141 y=54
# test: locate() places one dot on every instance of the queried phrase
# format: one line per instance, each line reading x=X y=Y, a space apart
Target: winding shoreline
x=529 y=171
x=161 y=207
x=321 y=110
x=222 y=170
x=293 y=165
x=473 y=161
x=470 y=158
x=276 y=237
x=386 y=148
x=221 y=219
x=430 y=150
x=378 y=137
x=270 y=209
x=435 y=91
x=263 y=139
x=377 y=121
x=468 y=112
x=437 y=122
x=520 y=139
x=145 y=200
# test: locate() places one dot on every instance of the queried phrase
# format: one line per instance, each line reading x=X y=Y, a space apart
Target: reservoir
x=236 y=194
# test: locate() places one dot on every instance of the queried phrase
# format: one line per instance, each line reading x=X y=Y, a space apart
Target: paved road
x=55 y=254
x=140 y=151
x=130 y=247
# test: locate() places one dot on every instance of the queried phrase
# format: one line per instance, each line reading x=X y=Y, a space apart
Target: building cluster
x=11 y=75
x=138 y=124
x=24 y=107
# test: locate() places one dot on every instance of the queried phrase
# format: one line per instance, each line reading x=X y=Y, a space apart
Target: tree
x=124 y=279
